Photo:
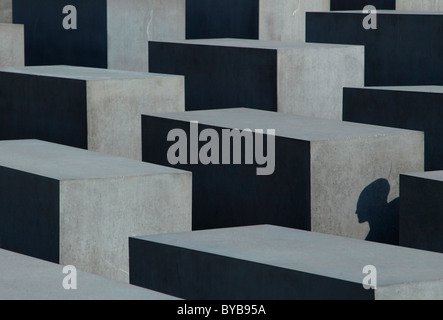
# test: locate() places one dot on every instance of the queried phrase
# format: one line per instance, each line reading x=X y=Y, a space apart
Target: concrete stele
x=404 y=50
x=410 y=107
x=77 y=207
x=269 y=262
x=90 y=108
x=283 y=20
x=110 y=33
x=328 y=174
x=299 y=78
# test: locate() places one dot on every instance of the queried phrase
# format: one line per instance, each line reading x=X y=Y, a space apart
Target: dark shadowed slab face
x=47 y=42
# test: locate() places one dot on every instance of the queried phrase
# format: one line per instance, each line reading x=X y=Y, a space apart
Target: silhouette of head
x=372 y=201
x=373 y=207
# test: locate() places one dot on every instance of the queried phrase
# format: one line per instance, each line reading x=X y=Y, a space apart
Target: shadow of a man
x=373 y=207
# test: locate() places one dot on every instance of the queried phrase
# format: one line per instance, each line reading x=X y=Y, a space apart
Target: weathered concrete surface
x=274 y=263
x=12 y=47
x=330 y=176
x=405 y=50
x=360 y=4
x=415 y=108
x=421 y=206
x=132 y=23
x=282 y=20
x=95 y=109
x=299 y=78
x=420 y=5
x=286 y=20
x=26 y=278
x=5 y=11
x=77 y=207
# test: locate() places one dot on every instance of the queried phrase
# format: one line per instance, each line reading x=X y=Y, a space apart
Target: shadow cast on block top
x=373 y=207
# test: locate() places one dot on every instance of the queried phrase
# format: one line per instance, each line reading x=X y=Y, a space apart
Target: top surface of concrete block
x=422 y=89
x=261 y=44
x=313 y=253
x=26 y=278
x=393 y=12
x=79 y=73
x=66 y=163
x=430 y=175
x=290 y=126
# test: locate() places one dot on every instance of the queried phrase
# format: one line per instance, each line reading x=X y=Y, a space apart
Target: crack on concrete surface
x=115 y=267
x=148 y=27
x=298 y=8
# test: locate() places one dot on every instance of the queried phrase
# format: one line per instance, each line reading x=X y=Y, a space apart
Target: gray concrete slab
x=12 y=47
x=26 y=278
x=5 y=11
x=421 y=218
x=90 y=108
x=329 y=176
x=419 y=5
x=232 y=264
x=404 y=50
x=77 y=207
x=415 y=108
x=298 y=78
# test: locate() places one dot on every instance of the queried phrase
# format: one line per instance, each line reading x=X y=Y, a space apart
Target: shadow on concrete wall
x=373 y=207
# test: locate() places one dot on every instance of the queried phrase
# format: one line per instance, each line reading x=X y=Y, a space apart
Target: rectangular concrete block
x=421 y=207
x=282 y=20
x=95 y=109
x=415 y=108
x=109 y=34
x=12 y=47
x=305 y=79
x=360 y=4
x=404 y=50
x=420 y=5
x=76 y=207
x=274 y=263
x=26 y=278
x=5 y=11
x=323 y=175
